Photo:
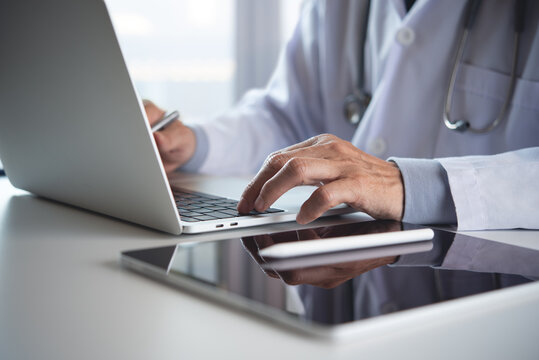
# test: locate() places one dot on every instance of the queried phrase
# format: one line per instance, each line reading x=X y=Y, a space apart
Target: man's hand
x=343 y=173
x=176 y=142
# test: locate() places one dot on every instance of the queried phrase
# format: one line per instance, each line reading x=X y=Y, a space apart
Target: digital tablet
x=330 y=294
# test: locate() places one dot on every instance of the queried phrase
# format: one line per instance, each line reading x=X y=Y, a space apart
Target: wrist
x=198 y=150
x=396 y=193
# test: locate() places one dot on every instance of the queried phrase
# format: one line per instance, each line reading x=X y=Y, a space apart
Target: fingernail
x=259 y=204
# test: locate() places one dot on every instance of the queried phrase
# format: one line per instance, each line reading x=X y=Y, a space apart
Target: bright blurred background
x=200 y=56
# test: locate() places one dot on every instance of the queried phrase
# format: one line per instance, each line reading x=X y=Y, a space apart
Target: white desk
x=63 y=295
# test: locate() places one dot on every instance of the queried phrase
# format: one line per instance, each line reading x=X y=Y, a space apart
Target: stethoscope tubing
x=463 y=125
x=357 y=102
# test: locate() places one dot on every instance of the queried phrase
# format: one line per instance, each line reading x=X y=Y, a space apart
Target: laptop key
x=225 y=202
x=216 y=208
x=230 y=212
x=223 y=215
x=193 y=206
x=190 y=214
x=205 y=211
x=205 y=217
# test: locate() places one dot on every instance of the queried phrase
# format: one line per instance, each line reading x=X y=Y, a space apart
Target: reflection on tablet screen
x=339 y=288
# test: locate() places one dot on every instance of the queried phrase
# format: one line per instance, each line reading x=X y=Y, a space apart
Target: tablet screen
x=338 y=288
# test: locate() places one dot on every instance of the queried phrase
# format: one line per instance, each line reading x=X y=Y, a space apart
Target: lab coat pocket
x=479 y=97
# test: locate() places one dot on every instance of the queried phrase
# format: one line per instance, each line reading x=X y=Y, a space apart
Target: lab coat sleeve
x=497 y=191
x=287 y=111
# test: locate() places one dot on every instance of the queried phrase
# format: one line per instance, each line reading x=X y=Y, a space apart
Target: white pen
x=352 y=242
x=167 y=119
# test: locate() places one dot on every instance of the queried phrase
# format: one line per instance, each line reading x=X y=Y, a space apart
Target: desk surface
x=63 y=295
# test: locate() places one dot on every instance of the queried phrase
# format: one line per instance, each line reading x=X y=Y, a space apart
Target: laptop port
x=234 y=224
x=219 y=226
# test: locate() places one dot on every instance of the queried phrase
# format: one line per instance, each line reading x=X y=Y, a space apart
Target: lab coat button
x=377 y=146
x=405 y=36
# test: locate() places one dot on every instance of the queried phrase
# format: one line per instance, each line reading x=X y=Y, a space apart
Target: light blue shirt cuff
x=427 y=196
x=201 y=151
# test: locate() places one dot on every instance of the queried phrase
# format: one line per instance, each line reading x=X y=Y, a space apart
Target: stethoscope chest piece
x=354 y=107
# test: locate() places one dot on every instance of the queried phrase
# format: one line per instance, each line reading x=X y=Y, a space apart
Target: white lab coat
x=409 y=57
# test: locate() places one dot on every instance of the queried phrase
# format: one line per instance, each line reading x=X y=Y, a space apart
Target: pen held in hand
x=167 y=119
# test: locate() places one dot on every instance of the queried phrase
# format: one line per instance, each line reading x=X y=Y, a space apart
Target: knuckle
x=337 y=145
x=322 y=139
x=326 y=136
x=297 y=167
x=276 y=161
x=250 y=189
x=324 y=196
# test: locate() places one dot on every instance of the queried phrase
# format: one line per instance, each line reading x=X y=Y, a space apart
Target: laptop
x=73 y=129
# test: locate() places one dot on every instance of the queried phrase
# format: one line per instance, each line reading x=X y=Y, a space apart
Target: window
x=184 y=54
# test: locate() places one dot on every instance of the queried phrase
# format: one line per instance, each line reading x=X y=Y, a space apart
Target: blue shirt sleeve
x=201 y=151
x=427 y=196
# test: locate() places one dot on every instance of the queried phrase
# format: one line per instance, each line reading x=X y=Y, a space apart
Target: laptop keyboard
x=194 y=206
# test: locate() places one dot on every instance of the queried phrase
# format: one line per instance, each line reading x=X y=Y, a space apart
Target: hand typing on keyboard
x=195 y=207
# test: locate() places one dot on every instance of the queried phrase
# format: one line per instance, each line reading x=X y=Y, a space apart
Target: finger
x=326 y=197
x=153 y=112
x=170 y=138
x=271 y=166
x=310 y=148
x=297 y=171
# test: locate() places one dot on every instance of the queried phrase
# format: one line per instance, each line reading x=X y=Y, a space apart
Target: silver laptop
x=73 y=129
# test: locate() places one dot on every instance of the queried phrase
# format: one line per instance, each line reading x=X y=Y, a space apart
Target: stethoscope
x=356 y=103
